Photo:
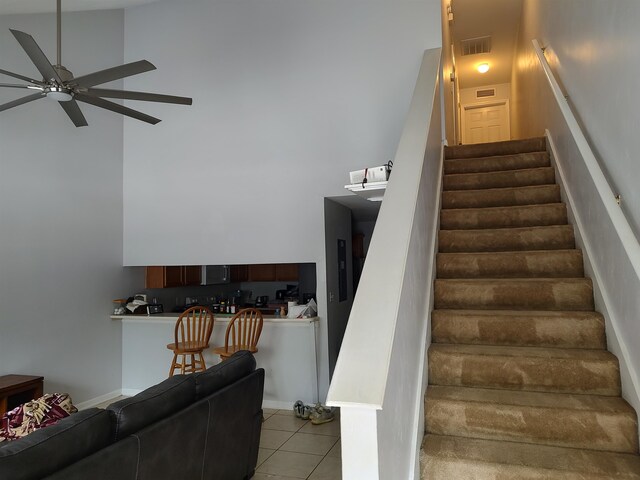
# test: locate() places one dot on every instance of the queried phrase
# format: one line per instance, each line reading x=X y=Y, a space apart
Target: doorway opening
x=349 y=225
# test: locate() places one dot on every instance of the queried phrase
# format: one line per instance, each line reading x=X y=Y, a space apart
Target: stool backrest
x=194 y=326
x=244 y=329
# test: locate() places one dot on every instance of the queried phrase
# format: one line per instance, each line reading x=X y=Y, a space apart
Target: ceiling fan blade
x=114 y=107
x=21 y=77
x=74 y=112
x=143 y=96
x=115 y=73
x=20 y=101
x=36 y=55
x=15 y=85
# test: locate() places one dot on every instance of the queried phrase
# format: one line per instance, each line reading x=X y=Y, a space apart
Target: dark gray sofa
x=201 y=426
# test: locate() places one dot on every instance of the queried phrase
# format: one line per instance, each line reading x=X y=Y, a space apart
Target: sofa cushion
x=153 y=404
x=224 y=373
x=50 y=449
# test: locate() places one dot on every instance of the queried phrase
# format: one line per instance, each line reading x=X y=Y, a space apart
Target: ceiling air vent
x=489 y=92
x=473 y=46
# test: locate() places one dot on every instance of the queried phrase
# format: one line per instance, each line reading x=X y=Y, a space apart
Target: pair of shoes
x=321 y=415
x=301 y=410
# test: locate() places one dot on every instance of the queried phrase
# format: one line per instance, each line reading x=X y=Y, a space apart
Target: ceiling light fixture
x=483 y=67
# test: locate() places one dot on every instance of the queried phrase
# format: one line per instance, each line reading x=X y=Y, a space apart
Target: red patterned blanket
x=36 y=414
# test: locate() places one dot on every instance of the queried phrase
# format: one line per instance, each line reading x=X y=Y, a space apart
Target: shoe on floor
x=302 y=411
x=321 y=415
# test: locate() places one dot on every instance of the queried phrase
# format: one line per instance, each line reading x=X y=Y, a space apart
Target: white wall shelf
x=372 y=191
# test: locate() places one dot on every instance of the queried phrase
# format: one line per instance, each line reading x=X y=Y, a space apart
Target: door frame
x=472 y=106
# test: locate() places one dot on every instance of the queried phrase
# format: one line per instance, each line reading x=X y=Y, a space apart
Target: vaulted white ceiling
x=499 y=19
x=40 y=6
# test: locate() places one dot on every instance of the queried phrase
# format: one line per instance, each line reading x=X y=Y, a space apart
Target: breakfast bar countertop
x=222 y=317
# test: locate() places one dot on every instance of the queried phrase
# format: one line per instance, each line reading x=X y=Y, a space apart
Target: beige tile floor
x=291 y=448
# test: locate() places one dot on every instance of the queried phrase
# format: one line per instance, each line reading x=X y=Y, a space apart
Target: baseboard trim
x=628 y=373
x=277 y=405
x=100 y=399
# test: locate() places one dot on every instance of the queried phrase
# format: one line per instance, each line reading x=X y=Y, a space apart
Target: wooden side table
x=18 y=389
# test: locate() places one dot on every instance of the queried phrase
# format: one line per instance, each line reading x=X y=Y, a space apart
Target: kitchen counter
x=286 y=350
x=218 y=317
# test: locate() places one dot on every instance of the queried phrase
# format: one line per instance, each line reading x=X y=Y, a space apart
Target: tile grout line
x=323 y=457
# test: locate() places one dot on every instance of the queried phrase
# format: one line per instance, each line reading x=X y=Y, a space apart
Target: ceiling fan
x=60 y=85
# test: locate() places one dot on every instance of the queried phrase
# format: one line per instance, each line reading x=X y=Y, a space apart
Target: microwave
x=215 y=274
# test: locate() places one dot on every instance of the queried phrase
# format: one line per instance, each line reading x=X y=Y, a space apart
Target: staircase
x=521 y=384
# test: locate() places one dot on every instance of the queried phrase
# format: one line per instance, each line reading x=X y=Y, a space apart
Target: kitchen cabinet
x=172 y=276
x=239 y=273
x=286 y=272
x=192 y=275
x=273 y=272
x=264 y=272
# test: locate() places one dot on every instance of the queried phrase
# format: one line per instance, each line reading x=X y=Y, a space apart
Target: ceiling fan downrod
x=59 y=32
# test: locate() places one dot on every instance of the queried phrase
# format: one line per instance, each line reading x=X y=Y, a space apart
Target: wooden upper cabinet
x=262 y=272
x=239 y=273
x=286 y=272
x=172 y=276
x=272 y=272
x=179 y=276
x=192 y=275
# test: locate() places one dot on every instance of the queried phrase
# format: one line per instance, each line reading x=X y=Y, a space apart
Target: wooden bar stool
x=243 y=333
x=192 y=334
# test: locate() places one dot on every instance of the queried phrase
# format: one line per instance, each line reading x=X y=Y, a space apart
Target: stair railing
x=610 y=199
x=612 y=250
x=380 y=375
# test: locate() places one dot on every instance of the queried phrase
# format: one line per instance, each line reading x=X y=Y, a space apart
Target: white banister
x=380 y=374
x=609 y=198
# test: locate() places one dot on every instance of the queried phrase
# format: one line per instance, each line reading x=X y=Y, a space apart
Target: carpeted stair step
x=504 y=217
x=535 y=328
x=515 y=294
x=449 y=458
x=533 y=369
x=501 y=197
x=562 y=420
x=507 y=239
x=496 y=163
x=509 y=178
x=539 y=263
x=508 y=147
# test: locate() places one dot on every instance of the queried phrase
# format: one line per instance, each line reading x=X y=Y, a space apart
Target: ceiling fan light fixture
x=483 y=68
x=59 y=94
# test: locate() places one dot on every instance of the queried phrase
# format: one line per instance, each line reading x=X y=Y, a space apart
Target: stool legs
x=191 y=366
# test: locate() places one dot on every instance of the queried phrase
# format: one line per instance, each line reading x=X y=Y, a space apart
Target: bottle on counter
x=232 y=308
x=282 y=314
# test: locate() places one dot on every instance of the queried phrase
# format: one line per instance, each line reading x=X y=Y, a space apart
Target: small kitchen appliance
x=261 y=301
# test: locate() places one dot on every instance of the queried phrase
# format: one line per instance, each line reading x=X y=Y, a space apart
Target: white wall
x=592 y=47
x=61 y=217
x=579 y=37
x=289 y=96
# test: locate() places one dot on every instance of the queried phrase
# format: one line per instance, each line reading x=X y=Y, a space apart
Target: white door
x=486 y=123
